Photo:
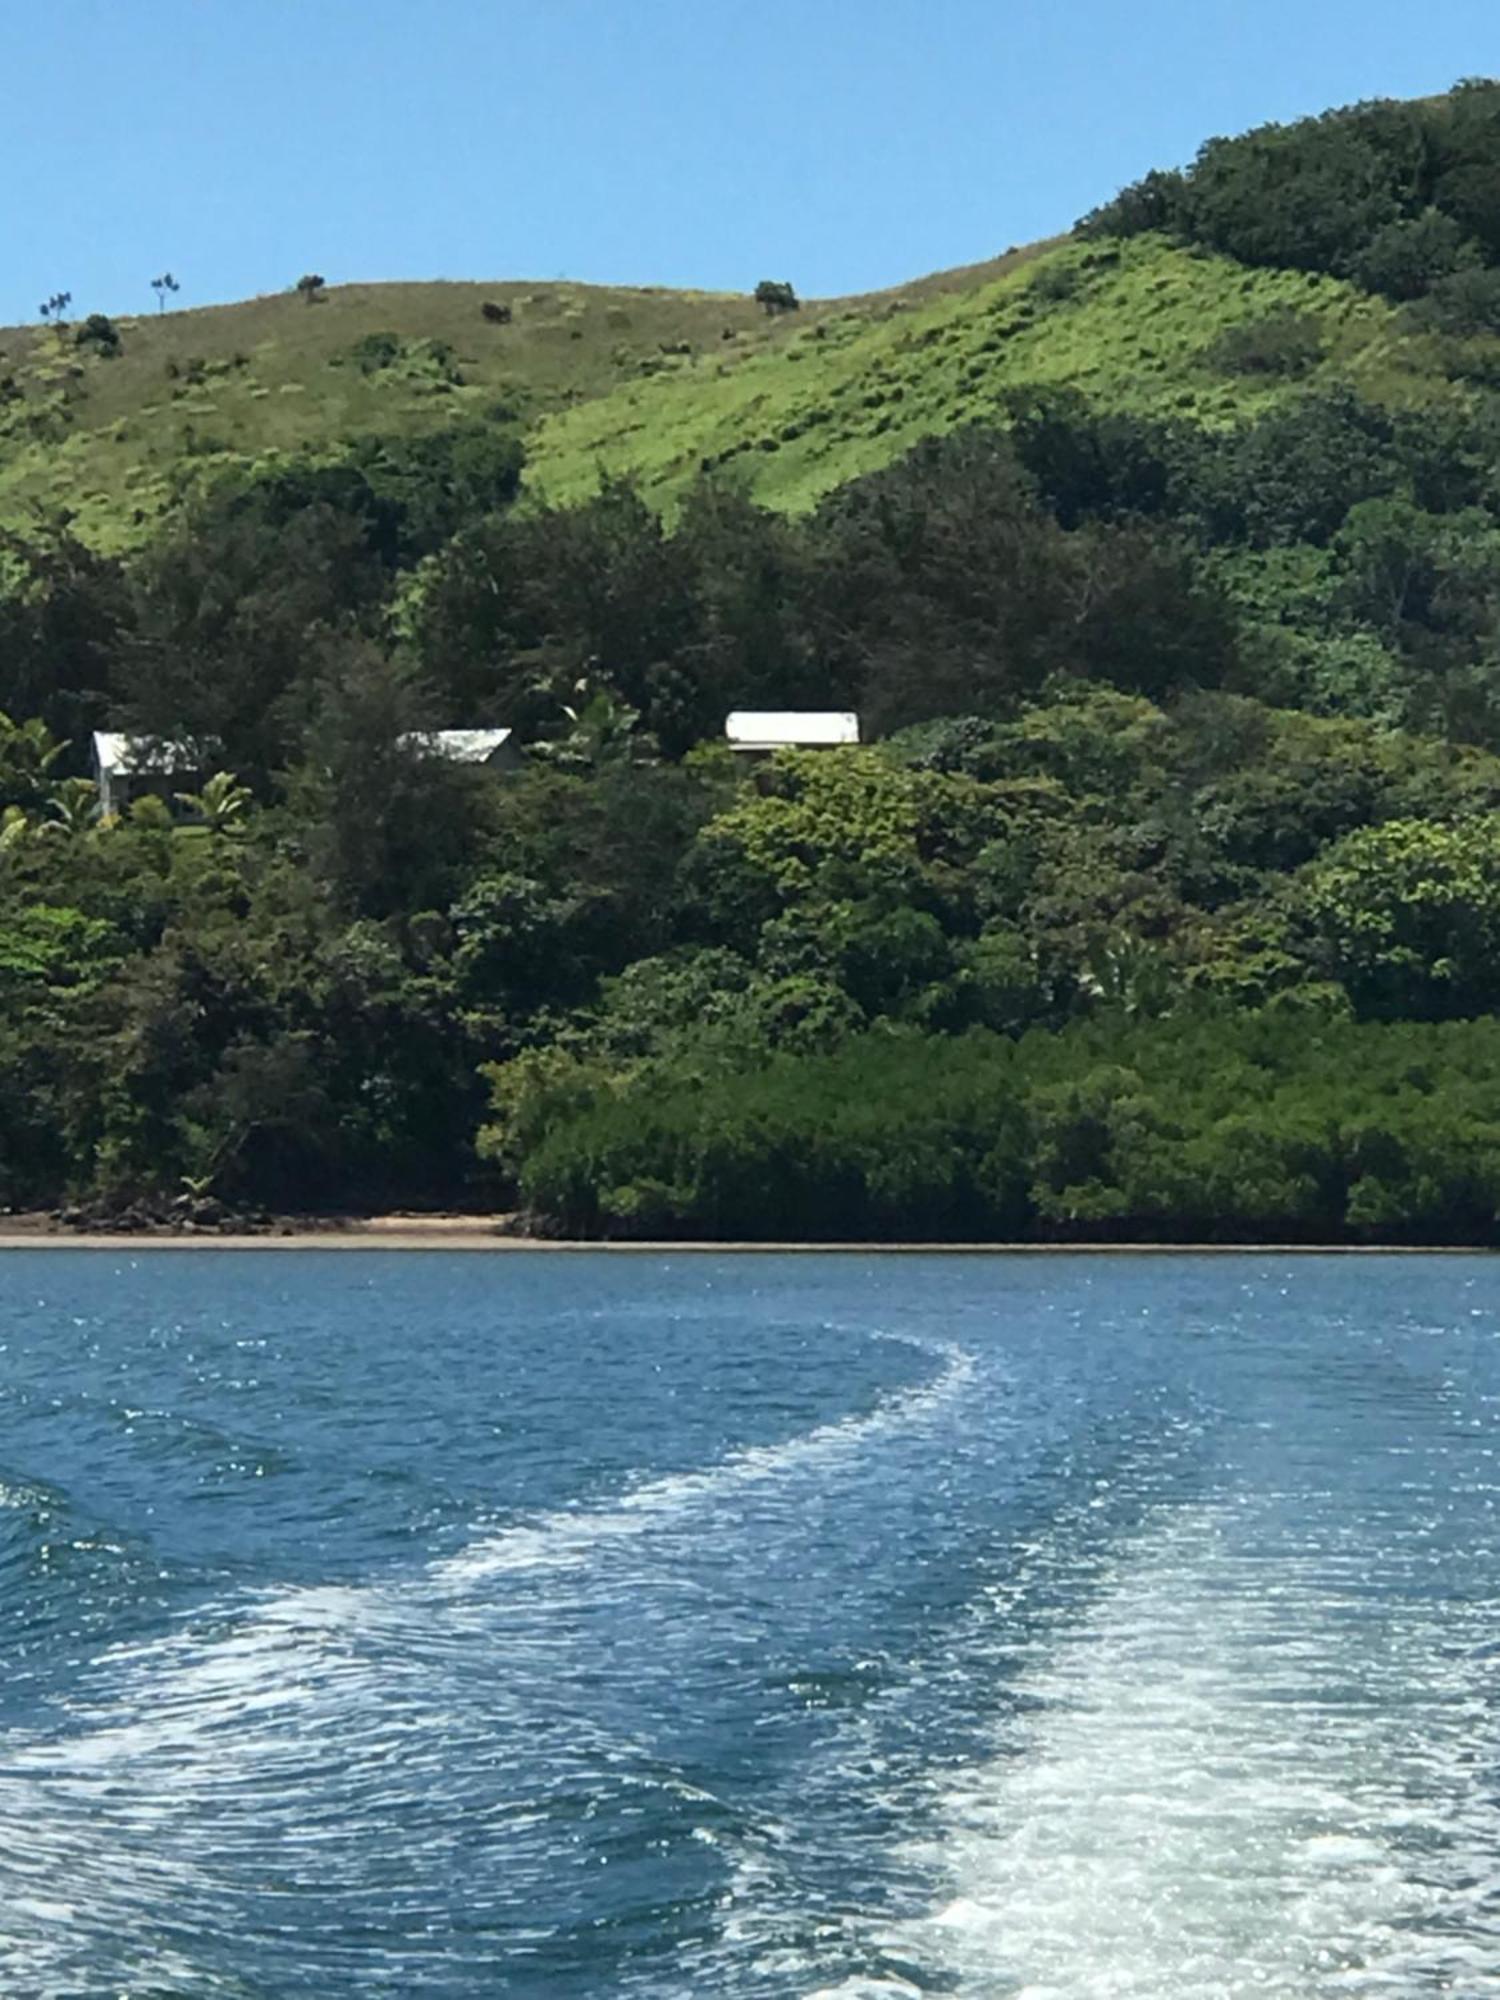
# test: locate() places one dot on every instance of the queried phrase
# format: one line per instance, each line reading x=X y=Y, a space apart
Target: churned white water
x=1237 y=1778
x=773 y=1629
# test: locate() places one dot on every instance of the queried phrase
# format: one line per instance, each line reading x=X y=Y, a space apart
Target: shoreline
x=471 y=1233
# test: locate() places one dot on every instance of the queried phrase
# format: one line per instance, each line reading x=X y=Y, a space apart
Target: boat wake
x=1225 y=1783
x=567 y=1538
x=341 y=1730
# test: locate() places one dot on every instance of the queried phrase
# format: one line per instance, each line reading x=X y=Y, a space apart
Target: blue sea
x=442 y=1624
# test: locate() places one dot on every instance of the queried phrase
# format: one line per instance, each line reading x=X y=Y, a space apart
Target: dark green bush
x=1284 y=344
x=775 y=295
x=1465 y=304
x=1408 y=257
x=375 y=351
x=1216 y=1127
x=99 y=332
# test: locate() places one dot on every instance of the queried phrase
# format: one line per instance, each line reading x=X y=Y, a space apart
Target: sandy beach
x=496 y=1233
x=365 y=1232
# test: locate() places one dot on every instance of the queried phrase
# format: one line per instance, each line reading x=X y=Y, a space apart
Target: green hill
x=117 y=437
x=1139 y=326
x=659 y=384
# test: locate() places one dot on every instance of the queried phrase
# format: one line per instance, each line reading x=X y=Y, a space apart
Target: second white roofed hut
x=126 y=767
x=493 y=747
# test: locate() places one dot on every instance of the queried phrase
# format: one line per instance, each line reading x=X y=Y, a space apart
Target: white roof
x=119 y=755
x=459 y=746
x=790 y=728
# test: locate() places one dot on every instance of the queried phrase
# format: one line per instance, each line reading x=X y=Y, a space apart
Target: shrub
x=496 y=313
x=776 y=296
x=99 y=332
x=1466 y=303
x=375 y=351
x=1407 y=258
x=1152 y=203
x=1285 y=344
x=1056 y=283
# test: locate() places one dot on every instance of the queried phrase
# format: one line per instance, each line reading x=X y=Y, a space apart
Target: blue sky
x=844 y=144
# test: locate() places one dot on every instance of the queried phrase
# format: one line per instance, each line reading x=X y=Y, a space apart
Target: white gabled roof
x=121 y=755
x=459 y=746
x=790 y=728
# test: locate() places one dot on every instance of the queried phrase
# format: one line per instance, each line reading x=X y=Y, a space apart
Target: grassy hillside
x=653 y=382
x=115 y=438
x=1315 y=236
x=1137 y=325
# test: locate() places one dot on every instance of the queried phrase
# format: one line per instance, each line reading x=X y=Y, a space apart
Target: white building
x=495 y=748
x=127 y=767
x=759 y=731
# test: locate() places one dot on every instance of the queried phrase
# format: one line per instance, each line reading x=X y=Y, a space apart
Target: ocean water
x=1043 y=1628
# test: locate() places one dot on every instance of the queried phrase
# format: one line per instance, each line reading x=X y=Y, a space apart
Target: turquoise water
x=452 y=1625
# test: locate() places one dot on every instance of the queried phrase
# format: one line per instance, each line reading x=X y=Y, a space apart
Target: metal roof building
x=765 y=729
x=127 y=765
x=465 y=746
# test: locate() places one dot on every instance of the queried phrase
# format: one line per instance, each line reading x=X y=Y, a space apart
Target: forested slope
x=1163 y=899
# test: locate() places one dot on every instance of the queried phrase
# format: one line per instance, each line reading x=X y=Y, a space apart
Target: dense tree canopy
x=1403 y=198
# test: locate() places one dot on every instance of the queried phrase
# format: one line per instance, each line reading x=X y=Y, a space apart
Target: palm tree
x=603 y=730
x=73 y=808
x=1127 y=973
x=28 y=750
x=222 y=803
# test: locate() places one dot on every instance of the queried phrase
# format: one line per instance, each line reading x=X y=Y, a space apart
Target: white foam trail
x=568 y=1538
x=240 y=1724
x=1234 y=1785
x=284 y=1647
x=868 y=1989
x=112 y=1810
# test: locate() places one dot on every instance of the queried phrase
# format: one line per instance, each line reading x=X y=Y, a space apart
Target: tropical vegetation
x=1160 y=901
